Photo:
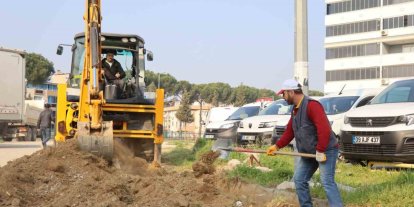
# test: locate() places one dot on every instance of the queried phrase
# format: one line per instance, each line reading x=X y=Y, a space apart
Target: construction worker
x=113 y=70
x=44 y=123
x=310 y=127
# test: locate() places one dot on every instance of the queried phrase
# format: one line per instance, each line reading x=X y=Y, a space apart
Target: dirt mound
x=205 y=164
x=64 y=176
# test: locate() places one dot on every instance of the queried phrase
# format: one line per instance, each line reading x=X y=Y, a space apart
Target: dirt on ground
x=65 y=176
x=206 y=164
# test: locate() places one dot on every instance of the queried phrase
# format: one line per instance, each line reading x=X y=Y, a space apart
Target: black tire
x=259 y=142
x=7 y=139
x=34 y=134
x=28 y=136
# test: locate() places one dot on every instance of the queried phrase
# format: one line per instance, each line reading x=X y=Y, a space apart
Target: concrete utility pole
x=300 y=72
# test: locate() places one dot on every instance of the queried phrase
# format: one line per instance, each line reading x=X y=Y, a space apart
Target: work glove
x=271 y=150
x=320 y=156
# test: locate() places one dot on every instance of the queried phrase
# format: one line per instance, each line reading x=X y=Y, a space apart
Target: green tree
x=240 y=96
x=152 y=87
x=315 y=93
x=184 y=111
x=167 y=81
x=38 y=68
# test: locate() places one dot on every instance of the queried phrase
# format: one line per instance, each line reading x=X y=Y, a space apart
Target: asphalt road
x=12 y=150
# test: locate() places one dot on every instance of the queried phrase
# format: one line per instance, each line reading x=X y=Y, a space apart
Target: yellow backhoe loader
x=95 y=111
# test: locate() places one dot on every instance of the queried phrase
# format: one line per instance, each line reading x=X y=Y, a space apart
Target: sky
x=247 y=42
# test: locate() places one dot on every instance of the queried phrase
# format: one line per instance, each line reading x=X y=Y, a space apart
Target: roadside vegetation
x=368 y=187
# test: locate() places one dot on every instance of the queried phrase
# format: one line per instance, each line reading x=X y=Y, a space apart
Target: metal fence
x=174 y=135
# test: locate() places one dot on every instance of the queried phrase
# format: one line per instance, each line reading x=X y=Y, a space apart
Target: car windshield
x=279 y=107
x=338 y=105
x=401 y=91
x=244 y=112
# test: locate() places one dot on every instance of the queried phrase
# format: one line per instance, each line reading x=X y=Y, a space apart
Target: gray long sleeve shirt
x=45 y=119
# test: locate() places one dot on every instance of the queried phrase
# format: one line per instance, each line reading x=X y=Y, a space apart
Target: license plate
x=366 y=140
x=251 y=138
x=209 y=136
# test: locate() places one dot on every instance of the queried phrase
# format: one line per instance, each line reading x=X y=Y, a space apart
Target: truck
x=18 y=117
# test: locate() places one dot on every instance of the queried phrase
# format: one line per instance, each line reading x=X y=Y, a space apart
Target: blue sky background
x=232 y=41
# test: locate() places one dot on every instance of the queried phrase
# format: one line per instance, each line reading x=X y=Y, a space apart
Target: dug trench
x=65 y=176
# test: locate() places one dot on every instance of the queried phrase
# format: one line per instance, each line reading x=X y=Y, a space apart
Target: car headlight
x=407 y=119
x=270 y=124
x=241 y=125
x=346 y=120
x=227 y=126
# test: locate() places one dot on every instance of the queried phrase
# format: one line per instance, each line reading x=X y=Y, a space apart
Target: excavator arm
x=94 y=134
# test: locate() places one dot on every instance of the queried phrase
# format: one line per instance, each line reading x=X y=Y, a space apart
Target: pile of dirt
x=65 y=176
x=205 y=164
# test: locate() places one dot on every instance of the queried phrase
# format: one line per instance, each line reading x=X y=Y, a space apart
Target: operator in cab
x=113 y=70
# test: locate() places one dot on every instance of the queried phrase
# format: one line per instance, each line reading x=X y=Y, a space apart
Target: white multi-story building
x=369 y=43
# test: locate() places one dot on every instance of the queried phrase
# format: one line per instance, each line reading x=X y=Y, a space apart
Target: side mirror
x=59 y=50
x=150 y=56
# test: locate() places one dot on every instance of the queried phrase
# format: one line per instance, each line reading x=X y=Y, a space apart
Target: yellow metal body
x=91 y=98
x=84 y=119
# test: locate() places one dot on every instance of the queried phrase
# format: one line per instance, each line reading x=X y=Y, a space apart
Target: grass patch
x=263 y=178
x=394 y=191
x=373 y=187
x=184 y=157
x=282 y=170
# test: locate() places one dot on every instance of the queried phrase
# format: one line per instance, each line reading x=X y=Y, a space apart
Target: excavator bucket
x=100 y=143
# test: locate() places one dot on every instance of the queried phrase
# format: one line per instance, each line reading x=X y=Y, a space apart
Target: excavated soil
x=64 y=176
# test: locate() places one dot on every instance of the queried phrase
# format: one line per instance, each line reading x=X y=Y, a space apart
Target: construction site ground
x=65 y=176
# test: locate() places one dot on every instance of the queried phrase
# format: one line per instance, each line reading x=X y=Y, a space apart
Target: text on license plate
x=248 y=137
x=209 y=136
x=366 y=140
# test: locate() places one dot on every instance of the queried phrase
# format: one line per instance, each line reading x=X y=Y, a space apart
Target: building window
x=352 y=28
x=397 y=71
x=353 y=74
x=351 y=5
x=396 y=22
x=353 y=51
x=390 y=2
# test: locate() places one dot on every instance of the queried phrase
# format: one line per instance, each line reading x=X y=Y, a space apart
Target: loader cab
x=129 y=52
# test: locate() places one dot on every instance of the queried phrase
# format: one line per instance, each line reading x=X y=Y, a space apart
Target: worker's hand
x=320 y=156
x=117 y=75
x=271 y=150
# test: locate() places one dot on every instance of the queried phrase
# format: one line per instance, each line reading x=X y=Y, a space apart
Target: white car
x=258 y=129
x=228 y=128
x=335 y=107
x=384 y=129
x=216 y=114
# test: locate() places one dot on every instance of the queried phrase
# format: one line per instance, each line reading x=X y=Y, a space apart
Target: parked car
x=228 y=127
x=335 y=107
x=383 y=130
x=219 y=114
x=258 y=129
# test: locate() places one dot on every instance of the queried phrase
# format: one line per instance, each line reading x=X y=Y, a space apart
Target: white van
x=228 y=127
x=383 y=130
x=219 y=114
x=258 y=129
x=335 y=107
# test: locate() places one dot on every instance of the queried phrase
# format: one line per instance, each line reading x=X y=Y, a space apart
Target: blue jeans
x=304 y=172
x=45 y=135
